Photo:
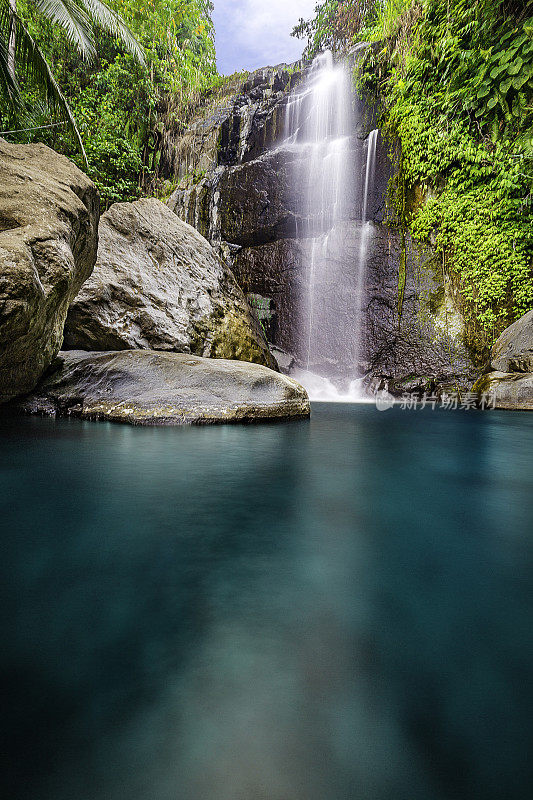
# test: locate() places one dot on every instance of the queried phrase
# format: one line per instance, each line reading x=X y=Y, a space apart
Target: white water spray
x=320 y=126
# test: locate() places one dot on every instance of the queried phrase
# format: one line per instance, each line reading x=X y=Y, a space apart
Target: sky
x=256 y=33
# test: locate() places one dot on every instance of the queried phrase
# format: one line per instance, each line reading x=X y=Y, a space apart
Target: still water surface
x=338 y=609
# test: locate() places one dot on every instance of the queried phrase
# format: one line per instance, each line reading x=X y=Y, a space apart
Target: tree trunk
x=12 y=39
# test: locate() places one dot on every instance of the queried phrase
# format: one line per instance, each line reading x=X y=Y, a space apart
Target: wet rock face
x=258 y=202
x=275 y=271
x=248 y=204
x=159 y=285
x=416 y=345
x=146 y=387
x=48 y=238
x=231 y=131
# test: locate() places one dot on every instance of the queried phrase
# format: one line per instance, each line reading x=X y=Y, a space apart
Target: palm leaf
x=73 y=19
x=8 y=82
x=31 y=62
x=113 y=23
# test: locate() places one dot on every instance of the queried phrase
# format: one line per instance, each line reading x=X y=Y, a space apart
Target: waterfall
x=365 y=236
x=332 y=186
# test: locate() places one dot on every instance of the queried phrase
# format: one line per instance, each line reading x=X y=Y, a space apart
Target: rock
x=510 y=385
x=237 y=124
x=513 y=351
x=245 y=200
x=286 y=361
x=506 y=390
x=275 y=271
x=158 y=285
x=48 y=239
x=418 y=385
x=148 y=387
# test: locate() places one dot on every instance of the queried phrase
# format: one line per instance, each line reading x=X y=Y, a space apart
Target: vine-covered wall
x=455 y=82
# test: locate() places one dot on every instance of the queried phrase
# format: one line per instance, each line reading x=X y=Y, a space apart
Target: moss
x=463 y=178
x=402 y=270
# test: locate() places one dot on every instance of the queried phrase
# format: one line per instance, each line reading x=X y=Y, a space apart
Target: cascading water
x=331 y=190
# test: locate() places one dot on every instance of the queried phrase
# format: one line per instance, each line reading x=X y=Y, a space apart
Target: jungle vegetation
x=116 y=82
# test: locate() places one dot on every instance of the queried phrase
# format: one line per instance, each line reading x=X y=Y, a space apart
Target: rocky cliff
x=237 y=188
x=158 y=286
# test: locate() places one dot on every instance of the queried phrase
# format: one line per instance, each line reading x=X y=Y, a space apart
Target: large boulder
x=48 y=240
x=513 y=351
x=159 y=285
x=510 y=384
x=146 y=387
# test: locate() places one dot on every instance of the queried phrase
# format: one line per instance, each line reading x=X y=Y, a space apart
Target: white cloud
x=255 y=33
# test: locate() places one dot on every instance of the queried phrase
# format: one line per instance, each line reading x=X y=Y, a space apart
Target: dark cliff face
x=239 y=188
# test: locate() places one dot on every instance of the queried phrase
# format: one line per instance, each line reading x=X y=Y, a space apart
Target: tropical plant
x=335 y=25
x=21 y=56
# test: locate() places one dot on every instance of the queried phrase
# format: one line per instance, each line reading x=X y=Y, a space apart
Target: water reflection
x=317 y=611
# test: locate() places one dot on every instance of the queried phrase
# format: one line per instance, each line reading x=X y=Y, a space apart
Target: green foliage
x=455 y=82
x=385 y=22
x=22 y=57
x=113 y=114
x=127 y=113
x=334 y=26
x=458 y=84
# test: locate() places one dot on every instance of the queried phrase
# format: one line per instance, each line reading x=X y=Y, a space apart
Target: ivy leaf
x=515 y=67
x=504 y=86
x=519 y=81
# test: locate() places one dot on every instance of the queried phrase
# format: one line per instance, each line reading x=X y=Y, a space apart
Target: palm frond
x=73 y=19
x=31 y=62
x=113 y=23
x=8 y=82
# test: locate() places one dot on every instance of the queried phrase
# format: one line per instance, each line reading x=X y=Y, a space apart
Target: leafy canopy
x=20 y=55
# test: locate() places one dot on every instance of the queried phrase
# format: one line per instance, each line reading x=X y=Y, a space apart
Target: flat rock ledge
x=512 y=391
x=147 y=387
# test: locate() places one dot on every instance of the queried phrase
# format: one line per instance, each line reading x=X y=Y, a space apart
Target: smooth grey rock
x=48 y=239
x=147 y=387
x=158 y=284
x=512 y=391
x=513 y=350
